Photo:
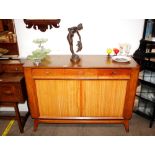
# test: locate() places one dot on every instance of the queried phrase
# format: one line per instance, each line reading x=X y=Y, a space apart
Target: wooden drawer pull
x=114 y=73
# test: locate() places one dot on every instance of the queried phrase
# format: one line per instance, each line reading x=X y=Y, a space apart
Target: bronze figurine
x=75 y=58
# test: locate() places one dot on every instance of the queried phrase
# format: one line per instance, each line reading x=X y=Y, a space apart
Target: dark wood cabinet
x=13 y=90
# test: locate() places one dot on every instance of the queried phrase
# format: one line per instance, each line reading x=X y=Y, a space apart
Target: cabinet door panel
x=103 y=98
x=58 y=98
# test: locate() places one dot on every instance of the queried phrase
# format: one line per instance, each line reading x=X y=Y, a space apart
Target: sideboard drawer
x=63 y=72
x=114 y=73
x=12 y=68
x=81 y=73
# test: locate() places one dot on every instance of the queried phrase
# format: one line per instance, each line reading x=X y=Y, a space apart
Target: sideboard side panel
x=31 y=89
x=130 y=93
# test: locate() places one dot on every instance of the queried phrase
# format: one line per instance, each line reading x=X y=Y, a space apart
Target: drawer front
x=114 y=73
x=81 y=73
x=10 y=92
x=12 y=68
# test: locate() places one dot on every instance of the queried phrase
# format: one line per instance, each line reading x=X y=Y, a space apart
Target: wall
x=97 y=35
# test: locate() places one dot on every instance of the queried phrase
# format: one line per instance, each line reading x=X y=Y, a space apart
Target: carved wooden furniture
x=12 y=91
x=96 y=90
x=42 y=24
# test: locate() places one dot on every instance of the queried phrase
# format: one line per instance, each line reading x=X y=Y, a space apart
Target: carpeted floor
x=138 y=127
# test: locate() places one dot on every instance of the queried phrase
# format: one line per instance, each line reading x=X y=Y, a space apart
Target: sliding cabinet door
x=58 y=98
x=103 y=98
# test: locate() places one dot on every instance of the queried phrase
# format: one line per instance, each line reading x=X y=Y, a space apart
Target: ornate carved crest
x=42 y=24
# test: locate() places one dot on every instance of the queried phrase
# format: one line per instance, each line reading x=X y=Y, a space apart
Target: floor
x=138 y=127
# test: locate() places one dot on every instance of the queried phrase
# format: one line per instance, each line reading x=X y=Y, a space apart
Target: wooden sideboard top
x=87 y=61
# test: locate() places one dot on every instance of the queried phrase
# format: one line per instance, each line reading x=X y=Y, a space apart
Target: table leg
x=126 y=125
x=36 y=122
x=18 y=117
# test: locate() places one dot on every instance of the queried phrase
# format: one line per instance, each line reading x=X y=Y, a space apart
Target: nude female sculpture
x=72 y=31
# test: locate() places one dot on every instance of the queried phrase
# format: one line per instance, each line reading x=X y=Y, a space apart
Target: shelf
x=148 y=41
x=145 y=106
x=142 y=114
x=146 y=99
x=149 y=55
x=147 y=83
x=146 y=91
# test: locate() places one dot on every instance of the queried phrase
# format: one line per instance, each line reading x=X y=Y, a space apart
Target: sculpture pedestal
x=75 y=58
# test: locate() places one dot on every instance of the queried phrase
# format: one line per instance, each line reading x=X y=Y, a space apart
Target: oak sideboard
x=95 y=90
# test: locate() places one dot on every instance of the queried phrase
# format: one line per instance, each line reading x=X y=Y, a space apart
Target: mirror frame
x=42 y=24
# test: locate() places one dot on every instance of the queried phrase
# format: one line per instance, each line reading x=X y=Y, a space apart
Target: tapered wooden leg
x=126 y=125
x=35 y=124
x=18 y=118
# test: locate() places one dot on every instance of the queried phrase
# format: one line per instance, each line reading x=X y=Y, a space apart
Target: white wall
x=97 y=35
